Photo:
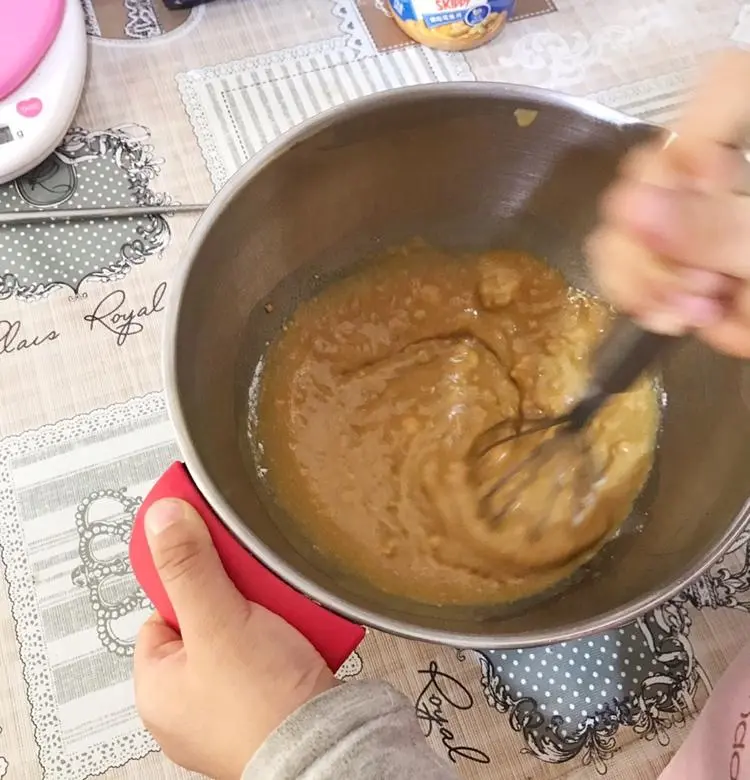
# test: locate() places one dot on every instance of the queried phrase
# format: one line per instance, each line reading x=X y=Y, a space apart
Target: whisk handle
x=625 y=353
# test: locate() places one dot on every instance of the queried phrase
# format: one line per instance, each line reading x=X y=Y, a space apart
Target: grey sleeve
x=363 y=730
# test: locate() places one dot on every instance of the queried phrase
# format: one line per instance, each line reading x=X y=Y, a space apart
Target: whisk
x=625 y=353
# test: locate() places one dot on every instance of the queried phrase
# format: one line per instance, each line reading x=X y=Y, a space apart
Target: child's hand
x=673 y=249
x=211 y=697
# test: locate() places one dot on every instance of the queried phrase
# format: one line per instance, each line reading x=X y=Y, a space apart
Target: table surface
x=174 y=103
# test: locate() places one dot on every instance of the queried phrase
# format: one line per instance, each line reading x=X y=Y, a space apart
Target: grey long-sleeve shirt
x=362 y=730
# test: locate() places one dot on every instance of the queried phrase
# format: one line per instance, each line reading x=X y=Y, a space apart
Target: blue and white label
x=477 y=14
x=437 y=13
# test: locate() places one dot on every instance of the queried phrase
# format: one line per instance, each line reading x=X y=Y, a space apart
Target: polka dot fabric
x=90 y=169
x=68 y=252
x=576 y=680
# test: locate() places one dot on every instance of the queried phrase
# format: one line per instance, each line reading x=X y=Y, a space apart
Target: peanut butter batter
x=374 y=392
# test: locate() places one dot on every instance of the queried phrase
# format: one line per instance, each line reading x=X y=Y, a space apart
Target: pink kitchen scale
x=42 y=70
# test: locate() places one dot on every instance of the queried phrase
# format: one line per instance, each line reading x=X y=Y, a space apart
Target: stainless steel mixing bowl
x=453 y=164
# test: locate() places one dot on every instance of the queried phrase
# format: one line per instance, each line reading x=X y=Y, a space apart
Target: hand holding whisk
x=548 y=466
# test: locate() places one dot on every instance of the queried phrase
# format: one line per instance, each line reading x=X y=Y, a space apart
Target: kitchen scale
x=42 y=70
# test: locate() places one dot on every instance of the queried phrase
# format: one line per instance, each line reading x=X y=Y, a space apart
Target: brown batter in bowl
x=374 y=391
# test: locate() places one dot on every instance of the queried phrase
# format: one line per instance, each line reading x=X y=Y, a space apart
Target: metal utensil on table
x=115 y=212
x=626 y=352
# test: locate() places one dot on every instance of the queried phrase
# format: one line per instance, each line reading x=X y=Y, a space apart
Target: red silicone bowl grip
x=334 y=637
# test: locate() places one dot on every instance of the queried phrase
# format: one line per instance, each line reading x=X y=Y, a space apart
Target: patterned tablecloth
x=175 y=102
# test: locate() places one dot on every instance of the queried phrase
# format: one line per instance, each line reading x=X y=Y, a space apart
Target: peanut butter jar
x=452 y=25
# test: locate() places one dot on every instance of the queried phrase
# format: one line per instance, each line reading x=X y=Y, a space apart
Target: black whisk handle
x=624 y=354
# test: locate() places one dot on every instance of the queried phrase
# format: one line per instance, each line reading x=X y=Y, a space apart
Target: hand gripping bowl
x=459 y=166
